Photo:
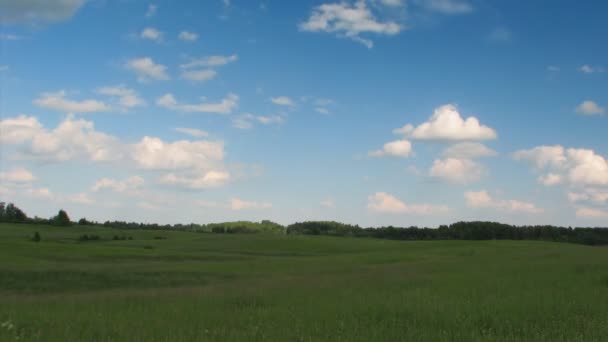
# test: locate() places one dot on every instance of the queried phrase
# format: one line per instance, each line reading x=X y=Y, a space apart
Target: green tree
x=62 y=219
x=36 y=237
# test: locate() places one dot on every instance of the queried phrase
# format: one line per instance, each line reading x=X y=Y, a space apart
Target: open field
x=223 y=287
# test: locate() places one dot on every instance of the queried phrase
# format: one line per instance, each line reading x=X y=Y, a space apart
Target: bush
x=86 y=237
x=36 y=237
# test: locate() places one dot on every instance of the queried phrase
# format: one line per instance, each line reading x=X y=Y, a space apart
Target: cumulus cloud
x=282 y=101
x=594 y=195
x=226 y=106
x=193 y=132
x=17 y=176
x=71 y=139
x=150 y=33
x=399 y=148
x=589 y=107
x=238 y=204
x=348 y=21
x=579 y=167
x=146 y=69
x=382 y=202
x=156 y=154
x=468 y=150
x=454 y=170
x=482 y=199
x=127 y=98
x=188 y=36
x=57 y=101
x=37 y=11
x=550 y=179
x=128 y=185
x=446 y=124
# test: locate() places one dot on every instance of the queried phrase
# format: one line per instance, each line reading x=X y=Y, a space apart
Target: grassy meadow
x=181 y=286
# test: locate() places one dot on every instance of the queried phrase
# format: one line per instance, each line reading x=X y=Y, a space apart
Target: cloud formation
x=382 y=202
x=482 y=199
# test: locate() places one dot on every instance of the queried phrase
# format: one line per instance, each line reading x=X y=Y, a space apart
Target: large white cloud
x=456 y=170
x=446 y=124
x=226 y=106
x=577 y=166
x=71 y=139
x=155 y=154
x=146 y=69
x=58 y=101
x=482 y=199
x=37 y=11
x=383 y=202
x=350 y=21
x=398 y=148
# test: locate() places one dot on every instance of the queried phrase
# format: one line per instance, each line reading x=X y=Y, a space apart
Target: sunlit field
x=180 y=286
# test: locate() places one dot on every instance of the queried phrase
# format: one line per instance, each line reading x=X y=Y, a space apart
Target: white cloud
x=238 y=204
x=247 y=120
x=449 y=7
x=282 y=101
x=382 y=202
x=9 y=37
x=350 y=21
x=150 y=33
x=79 y=198
x=40 y=193
x=226 y=106
x=589 y=107
x=193 y=132
x=210 y=61
x=198 y=180
x=155 y=154
x=468 y=150
x=198 y=75
x=595 y=195
x=58 y=101
x=456 y=170
x=188 y=36
x=130 y=184
x=127 y=98
x=323 y=110
x=399 y=148
x=152 y=9
x=17 y=176
x=481 y=199
x=37 y=11
x=591 y=213
x=577 y=166
x=446 y=124
x=550 y=179
x=71 y=139
x=588 y=69
x=19 y=129
x=146 y=69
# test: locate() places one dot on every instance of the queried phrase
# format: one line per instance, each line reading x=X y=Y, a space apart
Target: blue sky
x=376 y=112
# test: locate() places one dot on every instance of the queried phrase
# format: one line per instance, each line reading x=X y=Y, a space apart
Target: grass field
x=214 y=287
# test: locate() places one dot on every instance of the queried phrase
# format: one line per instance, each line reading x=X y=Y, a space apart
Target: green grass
x=214 y=287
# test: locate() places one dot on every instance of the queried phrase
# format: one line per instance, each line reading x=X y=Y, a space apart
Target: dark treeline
x=476 y=230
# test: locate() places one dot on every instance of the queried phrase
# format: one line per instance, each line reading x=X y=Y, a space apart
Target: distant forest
x=475 y=230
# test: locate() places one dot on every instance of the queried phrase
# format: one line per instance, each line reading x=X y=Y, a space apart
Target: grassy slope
x=199 y=287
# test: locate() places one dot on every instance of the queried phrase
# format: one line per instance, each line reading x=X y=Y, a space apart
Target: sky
x=370 y=112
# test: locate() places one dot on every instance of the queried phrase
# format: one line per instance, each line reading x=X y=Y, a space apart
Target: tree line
x=476 y=230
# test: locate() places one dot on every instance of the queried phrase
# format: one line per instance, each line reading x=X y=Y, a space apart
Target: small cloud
x=225 y=106
x=151 y=33
x=146 y=69
x=398 y=148
x=328 y=203
x=553 y=68
x=382 y=202
x=188 y=36
x=482 y=199
x=57 y=101
x=193 y=132
x=588 y=69
x=210 y=61
x=589 y=107
x=282 y=101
